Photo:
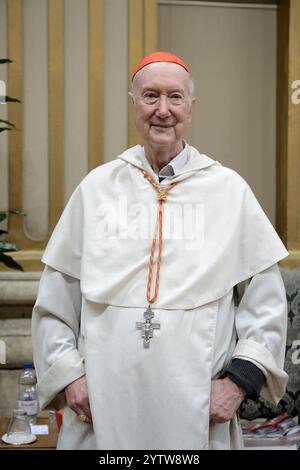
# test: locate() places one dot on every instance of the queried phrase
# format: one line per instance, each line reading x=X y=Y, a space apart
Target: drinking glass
x=19 y=431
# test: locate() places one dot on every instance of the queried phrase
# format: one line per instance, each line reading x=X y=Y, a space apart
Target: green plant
x=12 y=126
x=7 y=99
x=5 y=245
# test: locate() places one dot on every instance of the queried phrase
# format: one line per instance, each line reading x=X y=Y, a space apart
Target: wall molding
x=142 y=37
x=96 y=84
x=288 y=130
x=142 y=34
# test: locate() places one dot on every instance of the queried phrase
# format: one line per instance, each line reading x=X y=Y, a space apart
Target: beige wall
x=75 y=93
x=72 y=62
x=35 y=99
x=232 y=54
x=73 y=59
x=116 y=78
x=3 y=111
x=35 y=118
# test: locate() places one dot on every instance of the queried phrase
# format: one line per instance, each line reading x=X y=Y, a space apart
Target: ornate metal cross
x=147 y=327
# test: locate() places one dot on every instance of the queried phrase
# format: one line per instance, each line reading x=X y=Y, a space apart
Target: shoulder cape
x=215 y=234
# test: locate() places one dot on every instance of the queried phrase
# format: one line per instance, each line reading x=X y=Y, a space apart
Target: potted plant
x=5 y=245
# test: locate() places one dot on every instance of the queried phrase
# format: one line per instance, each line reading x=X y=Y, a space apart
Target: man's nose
x=163 y=106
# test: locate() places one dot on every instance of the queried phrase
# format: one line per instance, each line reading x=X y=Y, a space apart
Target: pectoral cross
x=147 y=327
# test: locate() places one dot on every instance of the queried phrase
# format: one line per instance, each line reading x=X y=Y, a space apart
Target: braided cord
x=162 y=195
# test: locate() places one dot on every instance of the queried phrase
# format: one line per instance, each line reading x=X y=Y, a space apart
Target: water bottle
x=27 y=392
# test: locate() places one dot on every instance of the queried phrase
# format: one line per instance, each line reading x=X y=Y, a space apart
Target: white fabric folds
x=93 y=292
x=212 y=221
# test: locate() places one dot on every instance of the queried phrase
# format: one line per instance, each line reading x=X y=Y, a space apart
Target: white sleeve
x=261 y=325
x=55 y=333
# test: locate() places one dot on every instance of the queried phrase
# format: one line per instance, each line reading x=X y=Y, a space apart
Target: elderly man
x=161 y=305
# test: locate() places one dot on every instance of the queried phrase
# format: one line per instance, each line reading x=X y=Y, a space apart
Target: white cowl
x=93 y=292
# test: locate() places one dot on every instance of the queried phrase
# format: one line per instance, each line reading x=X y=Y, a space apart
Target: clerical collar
x=177 y=163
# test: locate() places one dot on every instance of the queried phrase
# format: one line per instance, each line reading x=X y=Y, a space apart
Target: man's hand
x=225 y=399
x=78 y=398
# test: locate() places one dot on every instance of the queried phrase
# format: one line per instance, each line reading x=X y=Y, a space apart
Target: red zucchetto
x=159 y=57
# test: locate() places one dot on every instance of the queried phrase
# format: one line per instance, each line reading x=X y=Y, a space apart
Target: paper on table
x=39 y=429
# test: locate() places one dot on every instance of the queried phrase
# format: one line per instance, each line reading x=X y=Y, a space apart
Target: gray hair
x=190 y=85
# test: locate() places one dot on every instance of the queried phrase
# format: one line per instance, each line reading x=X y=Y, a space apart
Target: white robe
x=92 y=293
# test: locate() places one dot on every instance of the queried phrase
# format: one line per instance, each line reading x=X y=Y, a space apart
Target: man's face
x=162 y=104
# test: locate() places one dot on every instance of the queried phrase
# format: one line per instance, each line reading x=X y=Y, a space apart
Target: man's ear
x=192 y=107
x=131 y=96
x=193 y=104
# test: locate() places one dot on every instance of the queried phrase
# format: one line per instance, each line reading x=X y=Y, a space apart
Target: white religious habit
x=92 y=299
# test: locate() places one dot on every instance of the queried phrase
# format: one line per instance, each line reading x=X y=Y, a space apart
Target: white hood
x=233 y=239
x=195 y=162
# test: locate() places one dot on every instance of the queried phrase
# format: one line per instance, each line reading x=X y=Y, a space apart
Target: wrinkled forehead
x=162 y=74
